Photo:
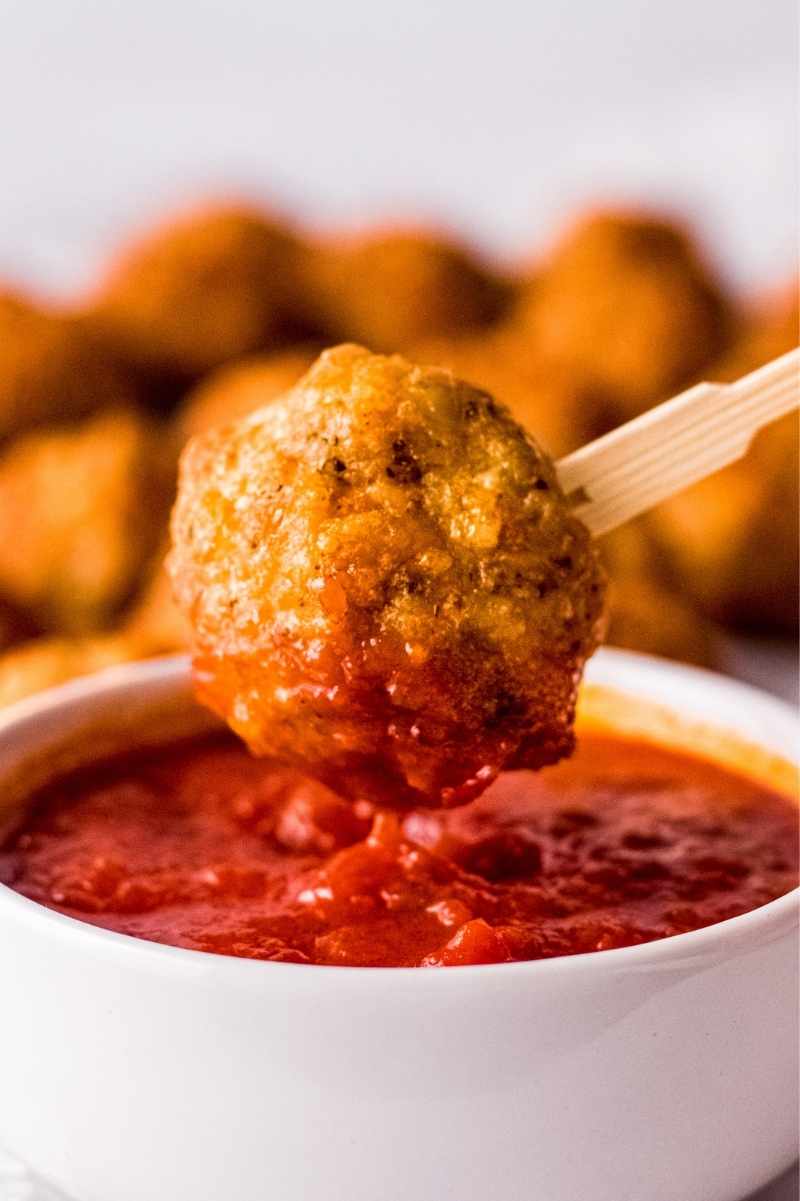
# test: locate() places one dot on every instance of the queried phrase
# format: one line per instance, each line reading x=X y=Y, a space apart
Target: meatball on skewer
x=385 y=584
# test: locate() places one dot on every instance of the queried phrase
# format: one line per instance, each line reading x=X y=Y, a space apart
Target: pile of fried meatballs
x=218 y=311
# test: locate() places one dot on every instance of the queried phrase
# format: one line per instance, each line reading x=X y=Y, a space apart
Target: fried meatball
x=384 y=583
x=542 y=397
x=199 y=290
x=389 y=290
x=50 y=368
x=81 y=508
x=731 y=541
x=627 y=305
x=236 y=390
x=45 y=662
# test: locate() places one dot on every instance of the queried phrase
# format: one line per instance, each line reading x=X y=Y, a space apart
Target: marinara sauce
x=200 y=845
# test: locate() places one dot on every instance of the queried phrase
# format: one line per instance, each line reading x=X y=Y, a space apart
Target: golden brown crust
x=384 y=582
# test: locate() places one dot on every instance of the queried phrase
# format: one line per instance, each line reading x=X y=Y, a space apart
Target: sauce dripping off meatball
x=385 y=584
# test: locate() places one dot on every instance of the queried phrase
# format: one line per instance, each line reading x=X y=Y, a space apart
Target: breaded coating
x=45 y=662
x=384 y=583
x=389 y=290
x=731 y=541
x=236 y=390
x=50 y=368
x=206 y=287
x=560 y=413
x=626 y=303
x=81 y=509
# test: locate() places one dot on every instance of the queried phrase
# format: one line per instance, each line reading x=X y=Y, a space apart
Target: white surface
x=499 y=117
x=247 y=1079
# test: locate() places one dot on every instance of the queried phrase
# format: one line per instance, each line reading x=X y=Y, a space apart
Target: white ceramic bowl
x=132 y=1071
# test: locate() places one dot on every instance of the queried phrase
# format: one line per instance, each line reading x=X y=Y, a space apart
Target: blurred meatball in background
x=219 y=310
x=389 y=289
x=387 y=543
x=240 y=388
x=731 y=541
x=15 y=625
x=626 y=303
x=51 y=369
x=49 y=661
x=81 y=510
x=198 y=290
x=647 y=613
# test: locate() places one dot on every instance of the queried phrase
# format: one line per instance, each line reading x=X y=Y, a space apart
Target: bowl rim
x=725 y=939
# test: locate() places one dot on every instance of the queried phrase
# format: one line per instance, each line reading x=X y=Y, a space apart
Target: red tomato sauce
x=200 y=845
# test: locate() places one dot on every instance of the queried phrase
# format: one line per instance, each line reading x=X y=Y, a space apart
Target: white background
x=497 y=116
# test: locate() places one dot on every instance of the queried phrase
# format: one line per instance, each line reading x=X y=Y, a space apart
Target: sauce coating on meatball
x=385 y=584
